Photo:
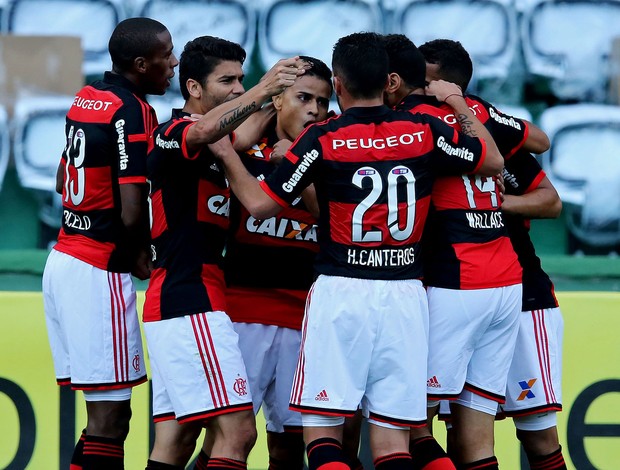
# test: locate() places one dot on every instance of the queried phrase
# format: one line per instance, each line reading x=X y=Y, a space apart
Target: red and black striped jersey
x=466 y=244
x=107 y=130
x=263 y=256
x=523 y=174
x=373 y=170
x=189 y=204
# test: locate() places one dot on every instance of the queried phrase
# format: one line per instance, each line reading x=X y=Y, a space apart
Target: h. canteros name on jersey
x=381 y=257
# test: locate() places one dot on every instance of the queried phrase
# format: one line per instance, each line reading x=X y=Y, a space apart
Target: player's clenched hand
x=279 y=150
x=442 y=89
x=283 y=75
x=144 y=265
x=501 y=187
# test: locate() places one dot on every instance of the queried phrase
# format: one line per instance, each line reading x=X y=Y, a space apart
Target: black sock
x=103 y=453
x=154 y=465
x=395 y=461
x=326 y=454
x=426 y=451
x=490 y=463
x=76 y=458
x=552 y=461
x=201 y=461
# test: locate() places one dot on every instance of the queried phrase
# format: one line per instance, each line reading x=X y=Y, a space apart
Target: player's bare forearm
x=245 y=186
x=254 y=127
x=537 y=140
x=541 y=203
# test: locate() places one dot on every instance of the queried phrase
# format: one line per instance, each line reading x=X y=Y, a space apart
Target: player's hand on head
x=442 y=89
x=283 y=75
x=279 y=150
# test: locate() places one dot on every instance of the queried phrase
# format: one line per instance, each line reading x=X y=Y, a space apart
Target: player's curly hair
x=200 y=56
x=132 y=38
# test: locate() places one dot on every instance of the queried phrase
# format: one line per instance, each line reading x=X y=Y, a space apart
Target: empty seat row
x=567 y=41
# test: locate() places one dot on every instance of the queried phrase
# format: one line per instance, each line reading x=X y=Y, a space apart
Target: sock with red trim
x=76 y=458
x=326 y=454
x=357 y=465
x=427 y=454
x=221 y=463
x=201 y=461
x=490 y=463
x=103 y=453
x=395 y=461
x=155 y=465
x=552 y=461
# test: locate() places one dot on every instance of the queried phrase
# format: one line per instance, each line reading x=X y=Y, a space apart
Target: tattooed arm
x=452 y=95
x=225 y=118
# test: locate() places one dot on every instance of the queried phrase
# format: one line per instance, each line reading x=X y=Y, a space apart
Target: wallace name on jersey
x=485 y=219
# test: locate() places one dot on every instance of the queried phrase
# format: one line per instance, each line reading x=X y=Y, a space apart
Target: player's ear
x=277 y=101
x=394 y=82
x=194 y=88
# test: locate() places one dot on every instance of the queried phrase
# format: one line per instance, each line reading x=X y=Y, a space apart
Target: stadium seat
x=486 y=28
x=584 y=165
x=92 y=20
x=163 y=104
x=568 y=42
x=287 y=28
x=234 y=20
x=520 y=112
x=38 y=143
x=4 y=144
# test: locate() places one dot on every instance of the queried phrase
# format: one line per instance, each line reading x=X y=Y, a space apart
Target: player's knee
x=239 y=431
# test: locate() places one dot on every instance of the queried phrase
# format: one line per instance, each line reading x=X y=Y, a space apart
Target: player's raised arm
x=225 y=118
x=452 y=95
x=245 y=186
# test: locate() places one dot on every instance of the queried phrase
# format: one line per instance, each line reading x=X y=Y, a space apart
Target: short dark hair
x=132 y=38
x=453 y=60
x=361 y=63
x=201 y=55
x=405 y=59
x=318 y=68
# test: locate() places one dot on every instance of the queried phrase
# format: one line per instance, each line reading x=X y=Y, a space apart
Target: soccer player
x=537 y=361
x=199 y=377
x=89 y=298
x=269 y=270
x=472 y=272
x=364 y=337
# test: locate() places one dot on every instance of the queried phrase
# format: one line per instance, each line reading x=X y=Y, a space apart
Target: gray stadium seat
x=568 y=42
x=287 y=28
x=38 y=143
x=583 y=163
x=92 y=20
x=234 y=20
x=4 y=144
x=486 y=28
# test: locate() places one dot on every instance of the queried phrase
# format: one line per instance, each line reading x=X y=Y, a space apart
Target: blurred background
x=556 y=63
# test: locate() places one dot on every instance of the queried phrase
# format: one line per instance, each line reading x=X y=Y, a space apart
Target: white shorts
x=270 y=353
x=92 y=325
x=472 y=339
x=197 y=368
x=534 y=379
x=364 y=341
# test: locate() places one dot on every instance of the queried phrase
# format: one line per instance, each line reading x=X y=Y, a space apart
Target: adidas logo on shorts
x=433 y=382
x=322 y=396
